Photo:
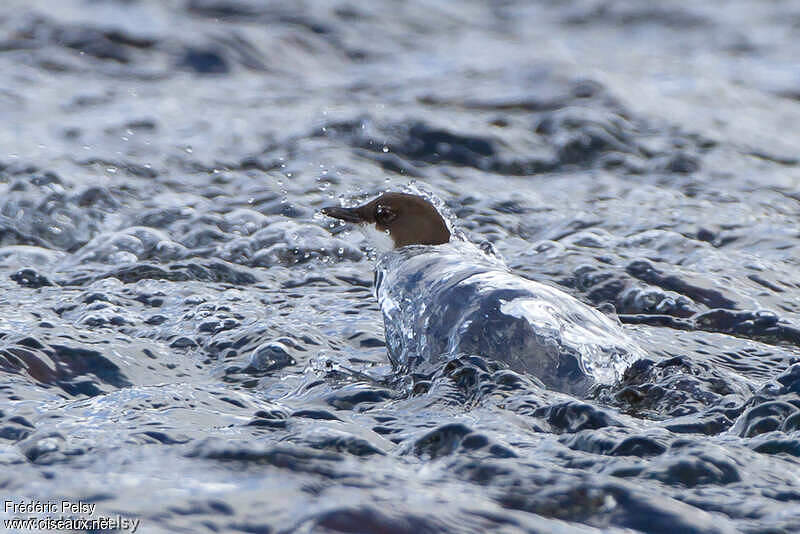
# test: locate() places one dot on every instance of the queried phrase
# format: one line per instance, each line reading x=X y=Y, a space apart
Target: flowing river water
x=184 y=340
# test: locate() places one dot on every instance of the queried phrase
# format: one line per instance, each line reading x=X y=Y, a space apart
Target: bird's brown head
x=408 y=219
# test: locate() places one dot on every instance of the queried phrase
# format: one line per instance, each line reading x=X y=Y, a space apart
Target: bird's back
x=453 y=299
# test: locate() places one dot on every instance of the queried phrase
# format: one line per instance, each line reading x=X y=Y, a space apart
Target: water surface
x=183 y=340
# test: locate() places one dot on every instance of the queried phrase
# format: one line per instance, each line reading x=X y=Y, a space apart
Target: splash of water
x=440 y=301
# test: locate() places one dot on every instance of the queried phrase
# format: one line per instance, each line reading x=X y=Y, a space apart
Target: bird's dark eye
x=384 y=215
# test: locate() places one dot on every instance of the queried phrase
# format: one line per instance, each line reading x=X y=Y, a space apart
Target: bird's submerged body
x=442 y=296
x=451 y=299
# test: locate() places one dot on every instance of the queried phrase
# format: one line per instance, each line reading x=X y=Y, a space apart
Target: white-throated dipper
x=443 y=297
x=407 y=219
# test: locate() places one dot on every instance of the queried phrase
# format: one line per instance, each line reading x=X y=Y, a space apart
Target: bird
x=407 y=219
x=441 y=296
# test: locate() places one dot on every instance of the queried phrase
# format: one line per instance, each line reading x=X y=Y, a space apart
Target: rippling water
x=184 y=341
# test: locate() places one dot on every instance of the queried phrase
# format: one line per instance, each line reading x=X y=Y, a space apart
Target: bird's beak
x=345 y=214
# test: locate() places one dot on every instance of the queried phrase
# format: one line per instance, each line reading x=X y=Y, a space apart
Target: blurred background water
x=182 y=339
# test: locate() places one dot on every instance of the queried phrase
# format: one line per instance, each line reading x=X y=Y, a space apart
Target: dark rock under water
x=183 y=341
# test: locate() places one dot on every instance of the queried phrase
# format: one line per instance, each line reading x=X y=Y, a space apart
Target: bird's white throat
x=380 y=241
